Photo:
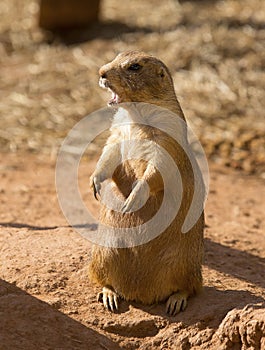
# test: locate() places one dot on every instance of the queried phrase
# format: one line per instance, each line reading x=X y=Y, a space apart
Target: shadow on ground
x=102 y=30
x=28 y=323
x=237 y=263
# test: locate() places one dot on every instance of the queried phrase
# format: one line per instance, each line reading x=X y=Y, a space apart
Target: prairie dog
x=168 y=267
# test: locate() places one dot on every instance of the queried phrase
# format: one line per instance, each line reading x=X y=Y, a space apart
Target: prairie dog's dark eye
x=135 y=66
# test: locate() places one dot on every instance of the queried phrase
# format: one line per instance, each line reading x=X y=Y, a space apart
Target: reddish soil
x=47 y=301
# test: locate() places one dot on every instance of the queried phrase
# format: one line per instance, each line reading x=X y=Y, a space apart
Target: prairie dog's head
x=134 y=76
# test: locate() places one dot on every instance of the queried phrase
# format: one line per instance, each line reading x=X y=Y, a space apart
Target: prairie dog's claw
x=109 y=298
x=96 y=190
x=95 y=183
x=176 y=302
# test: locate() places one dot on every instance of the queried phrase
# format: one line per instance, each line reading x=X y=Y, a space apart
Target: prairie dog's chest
x=132 y=145
x=125 y=126
x=129 y=135
x=126 y=132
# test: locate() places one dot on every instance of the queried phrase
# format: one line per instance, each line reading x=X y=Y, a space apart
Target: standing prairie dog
x=168 y=267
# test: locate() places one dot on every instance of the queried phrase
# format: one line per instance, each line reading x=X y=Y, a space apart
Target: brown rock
x=242 y=329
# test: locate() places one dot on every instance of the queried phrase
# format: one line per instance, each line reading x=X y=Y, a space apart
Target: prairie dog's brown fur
x=169 y=266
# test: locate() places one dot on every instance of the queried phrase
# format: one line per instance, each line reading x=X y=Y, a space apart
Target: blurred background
x=215 y=51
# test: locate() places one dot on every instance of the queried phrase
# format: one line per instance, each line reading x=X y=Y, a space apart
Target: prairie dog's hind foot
x=176 y=302
x=109 y=298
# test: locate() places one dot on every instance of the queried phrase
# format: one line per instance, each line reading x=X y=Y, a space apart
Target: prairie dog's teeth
x=115 y=99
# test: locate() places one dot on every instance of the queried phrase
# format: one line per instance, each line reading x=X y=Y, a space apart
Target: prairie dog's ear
x=161 y=72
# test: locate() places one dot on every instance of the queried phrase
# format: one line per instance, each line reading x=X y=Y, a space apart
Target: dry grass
x=214 y=49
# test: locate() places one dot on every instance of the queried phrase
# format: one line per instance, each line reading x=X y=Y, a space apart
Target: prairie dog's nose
x=103 y=72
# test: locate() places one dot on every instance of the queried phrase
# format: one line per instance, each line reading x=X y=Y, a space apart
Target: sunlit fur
x=170 y=263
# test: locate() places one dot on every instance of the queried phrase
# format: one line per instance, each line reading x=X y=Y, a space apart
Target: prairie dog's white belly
x=125 y=141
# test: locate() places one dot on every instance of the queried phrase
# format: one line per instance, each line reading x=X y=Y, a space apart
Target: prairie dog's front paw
x=137 y=198
x=96 y=180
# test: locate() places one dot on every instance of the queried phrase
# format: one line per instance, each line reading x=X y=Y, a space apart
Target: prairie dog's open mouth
x=115 y=98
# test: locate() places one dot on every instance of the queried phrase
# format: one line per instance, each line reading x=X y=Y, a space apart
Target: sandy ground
x=47 y=301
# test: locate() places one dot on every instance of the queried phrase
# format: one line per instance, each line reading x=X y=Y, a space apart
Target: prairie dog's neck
x=172 y=105
x=131 y=117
